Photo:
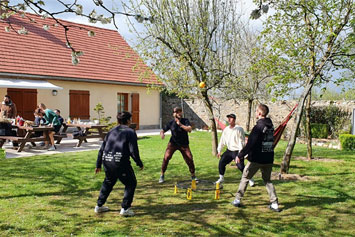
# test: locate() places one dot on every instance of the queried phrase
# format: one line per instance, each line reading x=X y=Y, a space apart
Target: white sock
x=221 y=176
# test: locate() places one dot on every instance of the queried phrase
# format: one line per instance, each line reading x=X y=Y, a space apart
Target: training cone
x=189 y=194
x=193 y=184
x=175 y=189
x=217 y=192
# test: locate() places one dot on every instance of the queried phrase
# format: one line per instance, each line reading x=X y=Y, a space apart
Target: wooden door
x=79 y=104
x=25 y=101
x=135 y=109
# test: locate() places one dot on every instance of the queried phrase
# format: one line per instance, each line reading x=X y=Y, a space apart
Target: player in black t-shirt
x=179 y=140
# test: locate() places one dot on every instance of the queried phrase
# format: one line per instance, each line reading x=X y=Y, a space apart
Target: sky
x=246 y=6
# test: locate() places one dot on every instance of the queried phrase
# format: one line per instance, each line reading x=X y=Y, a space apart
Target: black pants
x=127 y=177
x=226 y=158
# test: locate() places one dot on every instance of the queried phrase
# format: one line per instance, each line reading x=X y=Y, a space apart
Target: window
x=122 y=102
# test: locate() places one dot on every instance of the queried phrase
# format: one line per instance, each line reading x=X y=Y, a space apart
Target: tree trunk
x=250 y=103
x=308 y=127
x=285 y=164
x=210 y=115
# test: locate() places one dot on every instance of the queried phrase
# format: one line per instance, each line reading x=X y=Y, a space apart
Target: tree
x=250 y=77
x=313 y=38
x=188 y=43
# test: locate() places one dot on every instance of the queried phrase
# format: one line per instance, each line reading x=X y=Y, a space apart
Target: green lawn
x=56 y=195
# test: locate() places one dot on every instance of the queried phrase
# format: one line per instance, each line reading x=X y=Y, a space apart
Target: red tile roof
x=107 y=56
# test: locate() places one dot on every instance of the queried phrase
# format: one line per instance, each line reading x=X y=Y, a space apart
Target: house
x=37 y=67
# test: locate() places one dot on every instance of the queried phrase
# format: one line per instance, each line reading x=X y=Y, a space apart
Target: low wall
x=195 y=111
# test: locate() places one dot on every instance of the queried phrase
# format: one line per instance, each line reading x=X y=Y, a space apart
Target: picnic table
x=88 y=131
x=27 y=136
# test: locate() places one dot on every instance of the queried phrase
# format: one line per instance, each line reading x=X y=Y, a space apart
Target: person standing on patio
x=260 y=151
x=119 y=145
x=179 y=140
x=8 y=108
x=234 y=138
x=51 y=120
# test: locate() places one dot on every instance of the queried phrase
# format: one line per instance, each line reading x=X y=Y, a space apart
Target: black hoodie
x=259 y=146
x=119 y=145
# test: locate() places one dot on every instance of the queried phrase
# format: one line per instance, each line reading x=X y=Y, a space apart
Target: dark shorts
x=56 y=128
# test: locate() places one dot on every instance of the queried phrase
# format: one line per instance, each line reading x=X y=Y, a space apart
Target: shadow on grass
x=185 y=212
x=144 y=138
x=307 y=201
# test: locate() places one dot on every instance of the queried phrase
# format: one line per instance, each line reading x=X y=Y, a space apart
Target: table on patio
x=27 y=135
x=89 y=131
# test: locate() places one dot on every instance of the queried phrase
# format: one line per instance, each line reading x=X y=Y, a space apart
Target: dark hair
x=123 y=117
x=7 y=96
x=264 y=109
x=57 y=110
x=177 y=109
x=38 y=111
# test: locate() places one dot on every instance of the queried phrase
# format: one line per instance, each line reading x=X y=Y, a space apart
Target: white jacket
x=234 y=138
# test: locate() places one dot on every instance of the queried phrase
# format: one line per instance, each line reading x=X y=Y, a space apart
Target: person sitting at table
x=60 y=118
x=39 y=120
x=52 y=120
x=8 y=108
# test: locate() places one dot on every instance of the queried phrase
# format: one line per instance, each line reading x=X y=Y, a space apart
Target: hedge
x=347 y=141
x=319 y=130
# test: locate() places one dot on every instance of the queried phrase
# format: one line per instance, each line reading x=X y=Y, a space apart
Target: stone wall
x=194 y=110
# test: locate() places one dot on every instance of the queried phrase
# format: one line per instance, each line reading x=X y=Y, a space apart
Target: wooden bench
x=21 y=140
x=11 y=138
x=59 y=137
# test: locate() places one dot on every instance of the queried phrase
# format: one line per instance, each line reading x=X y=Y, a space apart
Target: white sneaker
x=219 y=181
x=52 y=148
x=236 y=203
x=101 y=209
x=161 y=179
x=251 y=182
x=274 y=206
x=127 y=212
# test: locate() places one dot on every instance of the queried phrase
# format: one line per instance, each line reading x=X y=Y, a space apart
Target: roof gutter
x=30 y=76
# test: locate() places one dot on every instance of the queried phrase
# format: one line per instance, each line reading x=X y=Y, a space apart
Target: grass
x=56 y=195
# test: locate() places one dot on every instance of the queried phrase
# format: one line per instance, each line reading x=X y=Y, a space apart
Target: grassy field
x=56 y=195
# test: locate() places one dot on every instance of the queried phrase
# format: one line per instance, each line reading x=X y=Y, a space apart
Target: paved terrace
x=67 y=145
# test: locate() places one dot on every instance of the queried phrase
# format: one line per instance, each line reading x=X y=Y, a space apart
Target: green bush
x=347 y=141
x=2 y=154
x=319 y=130
x=337 y=119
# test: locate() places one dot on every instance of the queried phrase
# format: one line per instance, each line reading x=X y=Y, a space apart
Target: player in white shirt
x=234 y=138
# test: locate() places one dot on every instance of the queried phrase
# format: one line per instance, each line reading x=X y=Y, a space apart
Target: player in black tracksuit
x=119 y=145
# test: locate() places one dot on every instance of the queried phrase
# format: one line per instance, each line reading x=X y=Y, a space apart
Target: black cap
x=231 y=116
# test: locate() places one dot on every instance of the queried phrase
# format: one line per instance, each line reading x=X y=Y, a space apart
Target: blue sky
x=246 y=6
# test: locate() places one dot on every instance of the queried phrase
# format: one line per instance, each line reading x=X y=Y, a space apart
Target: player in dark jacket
x=259 y=149
x=119 y=145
